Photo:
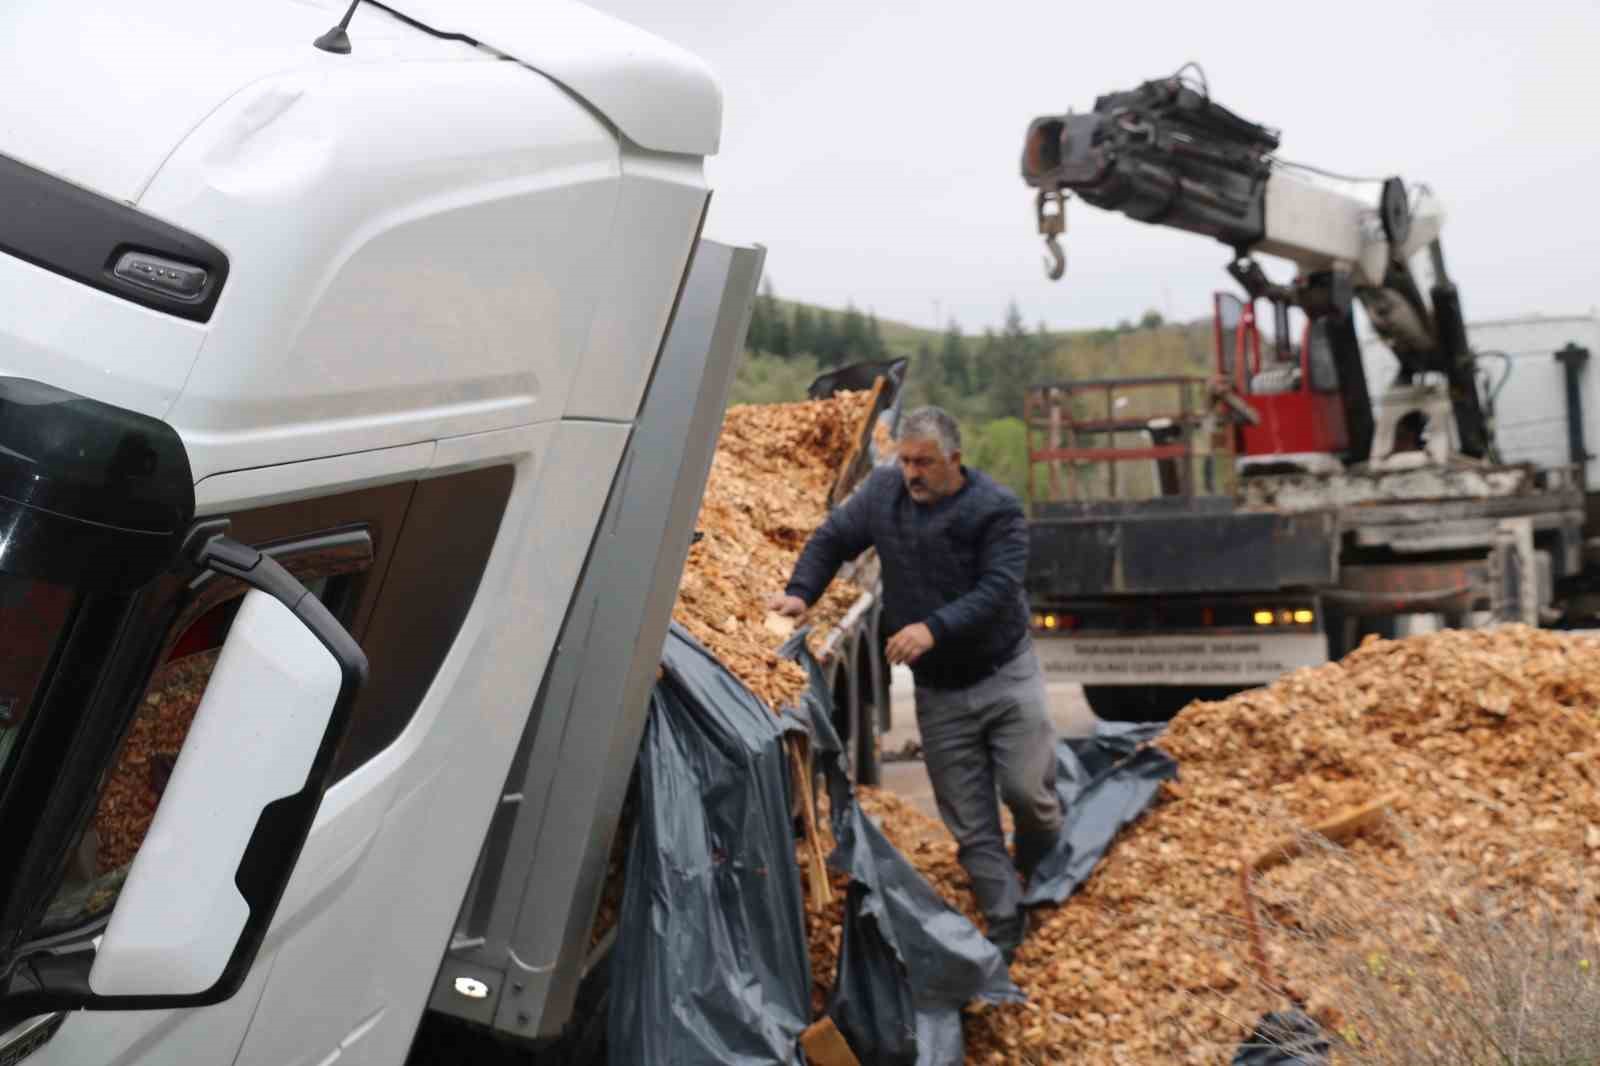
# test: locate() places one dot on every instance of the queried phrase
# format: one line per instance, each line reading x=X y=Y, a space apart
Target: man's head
x=929 y=453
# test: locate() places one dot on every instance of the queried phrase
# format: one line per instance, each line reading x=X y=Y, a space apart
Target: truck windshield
x=33 y=616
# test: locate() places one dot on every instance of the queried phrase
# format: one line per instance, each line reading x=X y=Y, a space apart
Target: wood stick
x=800 y=760
x=1343 y=826
x=825 y=1045
x=863 y=437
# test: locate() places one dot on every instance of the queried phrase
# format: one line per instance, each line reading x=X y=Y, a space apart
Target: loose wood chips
x=1490 y=737
x=767 y=492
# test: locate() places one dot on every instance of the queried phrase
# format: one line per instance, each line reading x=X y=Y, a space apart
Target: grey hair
x=935 y=424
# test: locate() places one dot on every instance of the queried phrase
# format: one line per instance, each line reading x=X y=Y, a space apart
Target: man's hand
x=788 y=606
x=908 y=645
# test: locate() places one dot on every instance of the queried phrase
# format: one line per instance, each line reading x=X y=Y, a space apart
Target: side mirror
x=236 y=812
x=216 y=851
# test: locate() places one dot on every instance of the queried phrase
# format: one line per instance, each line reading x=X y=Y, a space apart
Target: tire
x=1150 y=703
x=866 y=722
x=1347 y=631
x=590 y=1048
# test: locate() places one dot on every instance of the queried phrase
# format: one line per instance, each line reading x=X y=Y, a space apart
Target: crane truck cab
x=323 y=355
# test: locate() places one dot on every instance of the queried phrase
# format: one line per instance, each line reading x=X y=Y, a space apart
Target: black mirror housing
x=91 y=495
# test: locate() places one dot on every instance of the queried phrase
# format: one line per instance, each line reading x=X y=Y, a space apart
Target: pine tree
x=803 y=331
x=925 y=373
x=828 y=341
x=953 y=359
x=756 y=338
x=1020 y=361
x=983 y=367
x=876 y=349
x=853 y=335
x=774 y=335
x=778 y=336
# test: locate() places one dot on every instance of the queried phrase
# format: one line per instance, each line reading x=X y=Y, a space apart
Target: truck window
x=1324 y=371
x=133 y=786
x=399 y=566
x=33 y=616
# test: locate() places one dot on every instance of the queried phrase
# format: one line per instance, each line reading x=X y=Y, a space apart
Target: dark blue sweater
x=956 y=565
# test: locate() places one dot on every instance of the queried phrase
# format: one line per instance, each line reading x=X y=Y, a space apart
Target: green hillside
x=979 y=377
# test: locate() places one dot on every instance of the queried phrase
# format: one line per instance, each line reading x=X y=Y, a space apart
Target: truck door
x=149 y=818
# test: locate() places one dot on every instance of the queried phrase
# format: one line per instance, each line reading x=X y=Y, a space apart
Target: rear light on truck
x=1284 y=616
x=1170 y=617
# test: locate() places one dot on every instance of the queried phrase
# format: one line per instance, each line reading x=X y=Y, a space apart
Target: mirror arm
x=210 y=548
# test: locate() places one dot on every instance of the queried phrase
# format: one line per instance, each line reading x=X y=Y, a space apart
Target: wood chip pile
x=768 y=490
x=1490 y=739
x=148 y=755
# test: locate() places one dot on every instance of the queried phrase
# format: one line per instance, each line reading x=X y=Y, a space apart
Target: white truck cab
x=335 y=386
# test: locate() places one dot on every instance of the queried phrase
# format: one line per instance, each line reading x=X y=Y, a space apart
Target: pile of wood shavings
x=773 y=469
x=1491 y=738
x=148 y=755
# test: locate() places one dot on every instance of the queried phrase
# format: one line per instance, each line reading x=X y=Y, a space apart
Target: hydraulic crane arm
x=1166 y=154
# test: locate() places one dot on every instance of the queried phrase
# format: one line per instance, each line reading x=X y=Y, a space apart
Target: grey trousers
x=995 y=735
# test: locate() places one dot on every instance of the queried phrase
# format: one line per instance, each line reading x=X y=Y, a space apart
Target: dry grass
x=1445 y=974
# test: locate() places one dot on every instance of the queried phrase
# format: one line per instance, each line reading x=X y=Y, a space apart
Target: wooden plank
x=821 y=890
x=846 y=480
x=825 y=1046
x=1346 y=825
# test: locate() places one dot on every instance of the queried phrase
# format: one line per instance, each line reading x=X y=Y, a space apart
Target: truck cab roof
x=128 y=84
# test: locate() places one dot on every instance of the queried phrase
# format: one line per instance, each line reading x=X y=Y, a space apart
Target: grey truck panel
x=1162 y=552
x=523 y=931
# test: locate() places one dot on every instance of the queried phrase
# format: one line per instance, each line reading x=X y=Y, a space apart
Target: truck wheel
x=1346 y=632
x=1149 y=703
x=867 y=723
x=590 y=1049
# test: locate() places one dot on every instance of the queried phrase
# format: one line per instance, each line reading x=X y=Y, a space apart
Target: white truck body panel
x=440 y=260
x=1531 y=409
x=140 y=78
x=1178 y=659
x=660 y=97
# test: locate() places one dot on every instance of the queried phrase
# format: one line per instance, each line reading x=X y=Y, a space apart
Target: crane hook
x=1053 y=223
x=1055 y=264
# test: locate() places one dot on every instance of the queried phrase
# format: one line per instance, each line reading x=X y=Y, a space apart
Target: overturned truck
x=526 y=937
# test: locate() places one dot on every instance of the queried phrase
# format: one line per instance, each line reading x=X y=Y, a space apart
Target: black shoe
x=1031 y=849
x=1007 y=934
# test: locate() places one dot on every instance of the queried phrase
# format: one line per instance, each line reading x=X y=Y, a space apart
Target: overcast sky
x=873 y=147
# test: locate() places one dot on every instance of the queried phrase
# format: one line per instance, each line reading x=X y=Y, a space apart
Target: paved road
x=909 y=780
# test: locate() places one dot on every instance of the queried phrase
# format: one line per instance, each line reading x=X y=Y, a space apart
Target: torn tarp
x=1290 y=1038
x=711 y=962
x=908 y=962
x=1105 y=781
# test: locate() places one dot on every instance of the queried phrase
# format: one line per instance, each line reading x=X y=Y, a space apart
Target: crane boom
x=1165 y=153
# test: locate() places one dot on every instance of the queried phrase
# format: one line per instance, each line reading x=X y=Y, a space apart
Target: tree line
x=834 y=340
x=982 y=379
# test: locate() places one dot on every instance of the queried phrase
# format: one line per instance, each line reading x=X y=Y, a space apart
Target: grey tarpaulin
x=908 y=962
x=1105 y=781
x=711 y=962
x=1291 y=1038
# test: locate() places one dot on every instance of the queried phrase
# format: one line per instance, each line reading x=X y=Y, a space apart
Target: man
x=954 y=546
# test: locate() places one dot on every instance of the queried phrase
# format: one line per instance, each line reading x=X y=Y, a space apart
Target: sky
x=874 y=147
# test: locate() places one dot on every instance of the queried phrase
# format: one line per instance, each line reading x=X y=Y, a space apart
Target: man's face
x=929 y=474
